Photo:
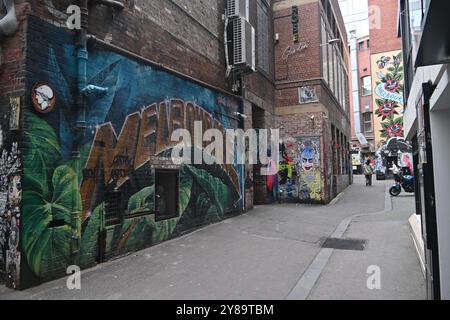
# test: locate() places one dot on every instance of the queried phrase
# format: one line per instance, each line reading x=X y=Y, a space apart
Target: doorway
x=166 y=194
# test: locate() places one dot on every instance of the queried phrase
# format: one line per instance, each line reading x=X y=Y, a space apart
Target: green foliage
x=142 y=201
x=42 y=153
x=50 y=222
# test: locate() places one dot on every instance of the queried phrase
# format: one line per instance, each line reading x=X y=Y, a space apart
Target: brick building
x=86 y=117
x=312 y=102
x=377 y=82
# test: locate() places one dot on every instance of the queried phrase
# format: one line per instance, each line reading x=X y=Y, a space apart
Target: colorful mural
x=299 y=170
x=310 y=169
x=67 y=200
x=388 y=96
x=10 y=217
x=288 y=171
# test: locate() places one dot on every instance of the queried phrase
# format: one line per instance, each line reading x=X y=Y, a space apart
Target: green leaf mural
x=141 y=201
x=50 y=222
x=42 y=153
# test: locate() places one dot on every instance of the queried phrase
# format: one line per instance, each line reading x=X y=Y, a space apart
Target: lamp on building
x=331 y=42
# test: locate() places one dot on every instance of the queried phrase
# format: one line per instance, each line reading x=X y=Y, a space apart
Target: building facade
x=312 y=103
x=425 y=27
x=88 y=113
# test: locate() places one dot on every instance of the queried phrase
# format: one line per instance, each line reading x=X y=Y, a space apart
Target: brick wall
x=12 y=85
x=386 y=37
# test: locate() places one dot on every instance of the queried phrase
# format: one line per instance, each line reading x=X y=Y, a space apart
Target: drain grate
x=344 y=244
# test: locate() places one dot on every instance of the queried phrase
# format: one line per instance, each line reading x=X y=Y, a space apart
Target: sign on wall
x=307 y=95
x=43 y=97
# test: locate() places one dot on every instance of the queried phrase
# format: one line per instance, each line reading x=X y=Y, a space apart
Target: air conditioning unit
x=238 y=8
x=244 y=51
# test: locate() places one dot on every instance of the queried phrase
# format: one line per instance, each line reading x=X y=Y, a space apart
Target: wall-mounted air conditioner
x=244 y=51
x=238 y=8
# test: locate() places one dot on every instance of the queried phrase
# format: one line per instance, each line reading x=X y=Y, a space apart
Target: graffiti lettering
x=144 y=135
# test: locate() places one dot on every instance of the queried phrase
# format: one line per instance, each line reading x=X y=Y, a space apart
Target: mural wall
x=67 y=200
x=388 y=83
x=10 y=195
x=311 y=169
x=300 y=170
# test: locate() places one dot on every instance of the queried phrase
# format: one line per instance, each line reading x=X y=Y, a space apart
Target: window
x=367 y=119
x=366 y=86
x=368 y=43
x=166 y=194
x=263 y=36
x=361 y=46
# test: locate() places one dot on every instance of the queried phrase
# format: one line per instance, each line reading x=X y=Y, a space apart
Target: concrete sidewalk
x=389 y=248
x=262 y=255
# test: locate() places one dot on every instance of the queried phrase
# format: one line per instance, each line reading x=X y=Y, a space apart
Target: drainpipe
x=8 y=24
x=110 y=3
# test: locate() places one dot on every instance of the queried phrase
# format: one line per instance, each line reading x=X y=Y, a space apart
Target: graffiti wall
x=300 y=170
x=86 y=209
x=310 y=169
x=10 y=195
x=288 y=171
x=388 y=82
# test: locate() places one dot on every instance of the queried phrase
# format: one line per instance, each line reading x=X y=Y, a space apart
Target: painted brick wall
x=184 y=35
x=12 y=85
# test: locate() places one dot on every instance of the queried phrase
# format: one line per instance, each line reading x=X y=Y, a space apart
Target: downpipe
x=9 y=23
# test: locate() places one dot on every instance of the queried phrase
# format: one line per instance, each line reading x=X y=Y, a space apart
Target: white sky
x=356 y=16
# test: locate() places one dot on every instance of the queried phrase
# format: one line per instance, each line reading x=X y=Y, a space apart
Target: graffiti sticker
x=43 y=97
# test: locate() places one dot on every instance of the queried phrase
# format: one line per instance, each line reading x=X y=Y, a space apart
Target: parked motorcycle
x=405 y=182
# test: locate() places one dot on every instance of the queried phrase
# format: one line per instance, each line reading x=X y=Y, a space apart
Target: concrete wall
x=440 y=130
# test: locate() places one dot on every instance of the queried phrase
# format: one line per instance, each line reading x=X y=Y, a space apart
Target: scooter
x=405 y=182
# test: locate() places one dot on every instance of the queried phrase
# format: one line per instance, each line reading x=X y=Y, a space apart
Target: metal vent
x=238 y=8
x=243 y=44
x=344 y=244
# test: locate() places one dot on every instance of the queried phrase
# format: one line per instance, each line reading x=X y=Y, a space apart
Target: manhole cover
x=344 y=244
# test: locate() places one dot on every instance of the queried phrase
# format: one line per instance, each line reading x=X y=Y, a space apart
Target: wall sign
x=14 y=115
x=295 y=21
x=43 y=97
x=307 y=95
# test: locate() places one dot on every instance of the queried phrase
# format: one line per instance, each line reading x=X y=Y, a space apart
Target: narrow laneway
x=263 y=255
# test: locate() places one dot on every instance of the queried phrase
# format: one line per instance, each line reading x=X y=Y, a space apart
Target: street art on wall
x=10 y=219
x=388 y=96
x=310 y=169
x=299 y=170
x=67 y=200
x=288 y=171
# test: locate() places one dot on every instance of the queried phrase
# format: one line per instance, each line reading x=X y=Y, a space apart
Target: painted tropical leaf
x=42 y=153
x=142 y=201
x=218 y=192
x=50 y=223
x=89 y=237
x=134 y=234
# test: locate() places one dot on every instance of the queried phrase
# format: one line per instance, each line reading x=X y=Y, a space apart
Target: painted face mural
x=308 y=158
x=310 y=173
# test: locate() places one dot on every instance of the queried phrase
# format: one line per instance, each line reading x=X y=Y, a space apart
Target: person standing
x=368 y=172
